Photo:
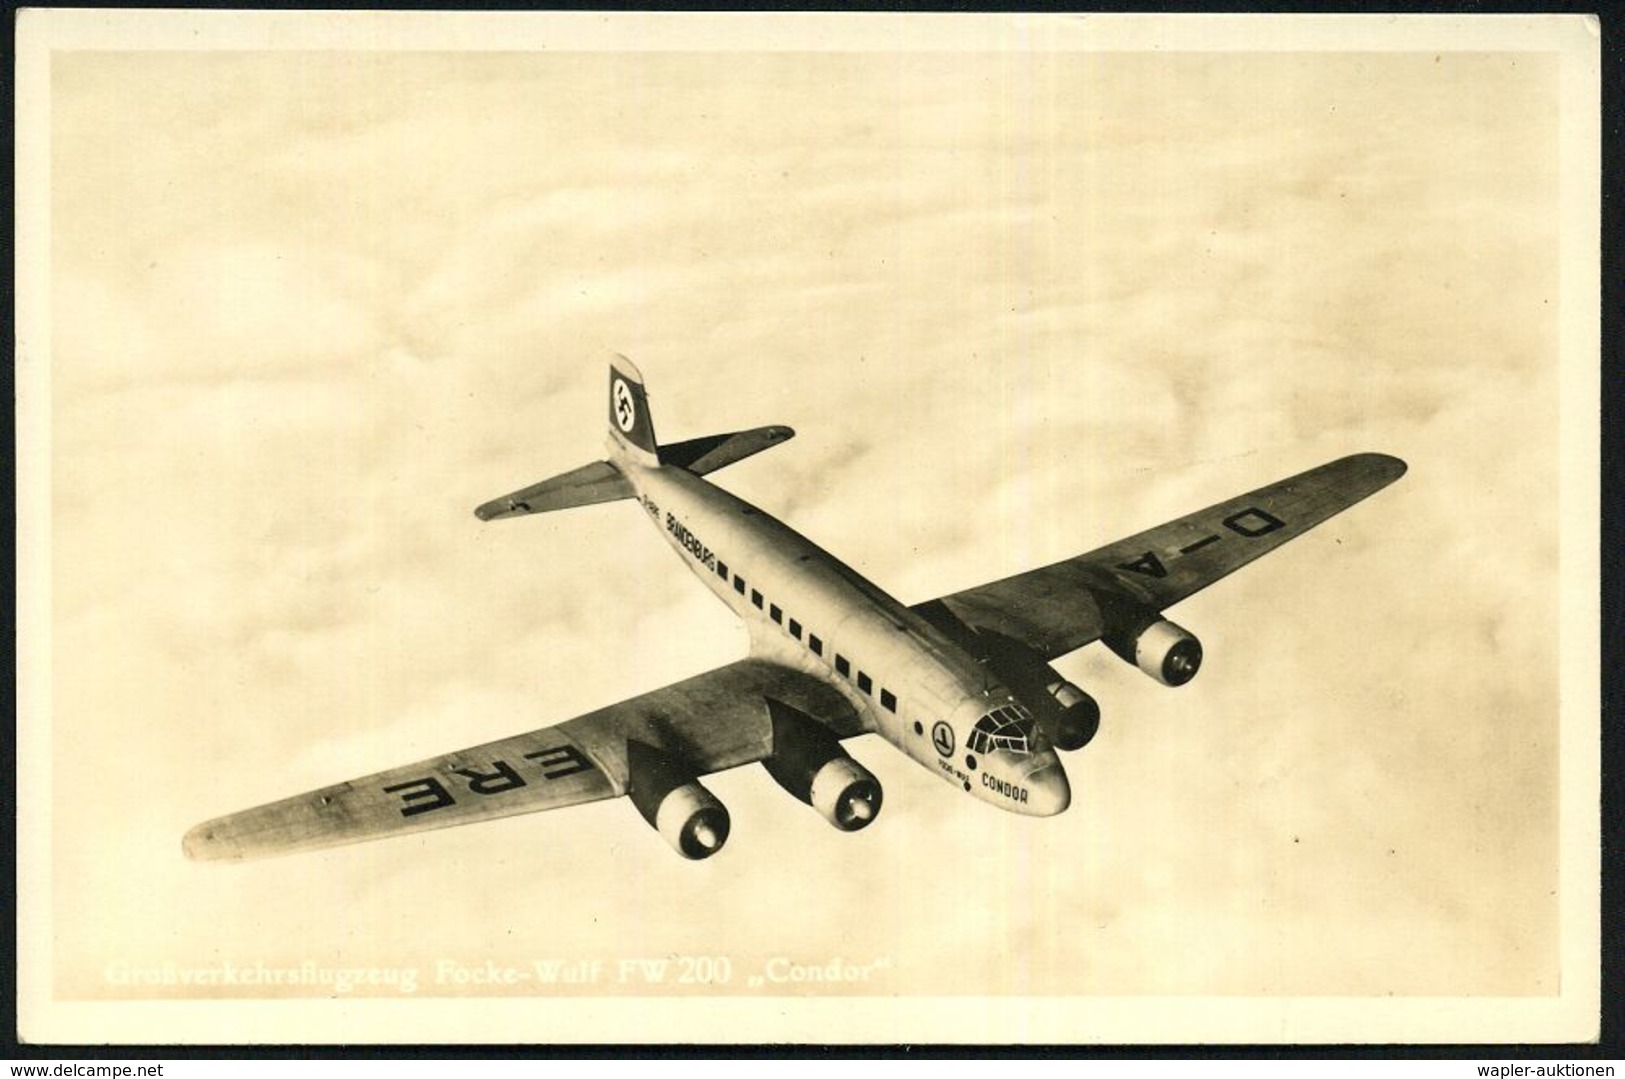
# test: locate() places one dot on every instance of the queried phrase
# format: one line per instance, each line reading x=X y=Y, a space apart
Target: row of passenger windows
x=843 y=666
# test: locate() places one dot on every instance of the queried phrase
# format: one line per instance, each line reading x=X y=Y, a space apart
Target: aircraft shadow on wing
x=963 y=684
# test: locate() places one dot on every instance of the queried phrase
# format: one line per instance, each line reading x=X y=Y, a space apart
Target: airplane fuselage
x=805 y=609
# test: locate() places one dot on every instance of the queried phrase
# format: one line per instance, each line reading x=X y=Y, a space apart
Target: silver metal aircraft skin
x=962 y=684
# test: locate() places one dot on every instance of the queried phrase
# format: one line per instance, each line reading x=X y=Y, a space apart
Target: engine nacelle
x=675 y=803
x=846 y=794
x=692 y=820
x=808 y=762
x=1169 y=653
x=1078 y=719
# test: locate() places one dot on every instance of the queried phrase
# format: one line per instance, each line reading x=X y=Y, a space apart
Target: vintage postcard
x=973 y=712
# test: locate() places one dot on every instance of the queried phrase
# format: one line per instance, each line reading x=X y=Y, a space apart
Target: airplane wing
x=711 y=722
x=584 y=486
x=1069 y=604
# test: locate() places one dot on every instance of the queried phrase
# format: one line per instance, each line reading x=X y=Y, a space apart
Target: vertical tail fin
x=631 y=428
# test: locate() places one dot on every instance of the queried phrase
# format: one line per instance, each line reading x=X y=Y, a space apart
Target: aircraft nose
x=1048 y=791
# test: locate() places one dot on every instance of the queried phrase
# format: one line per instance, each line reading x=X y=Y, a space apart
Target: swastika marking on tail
x=626 y=413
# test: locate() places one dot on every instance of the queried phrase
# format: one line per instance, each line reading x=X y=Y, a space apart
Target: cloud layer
x=309 y=309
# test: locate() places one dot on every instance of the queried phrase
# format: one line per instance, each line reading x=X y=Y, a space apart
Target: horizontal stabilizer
x=584 y=486
x=707 y=454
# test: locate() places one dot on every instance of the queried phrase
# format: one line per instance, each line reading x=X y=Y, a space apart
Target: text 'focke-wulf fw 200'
x=962 y=684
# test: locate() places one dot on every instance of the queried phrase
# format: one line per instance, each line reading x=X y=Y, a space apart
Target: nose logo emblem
x=625 y=413
x=942 y=737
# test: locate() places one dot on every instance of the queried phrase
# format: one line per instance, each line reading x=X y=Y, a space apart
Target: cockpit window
x=1009 y=728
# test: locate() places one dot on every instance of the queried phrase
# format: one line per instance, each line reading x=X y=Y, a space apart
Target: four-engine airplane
x=962 y=684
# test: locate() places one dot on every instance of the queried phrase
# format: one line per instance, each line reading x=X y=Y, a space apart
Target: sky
x=309 y=308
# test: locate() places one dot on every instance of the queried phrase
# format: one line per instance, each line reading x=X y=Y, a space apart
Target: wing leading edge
x=1064 y=606
x=711 y=722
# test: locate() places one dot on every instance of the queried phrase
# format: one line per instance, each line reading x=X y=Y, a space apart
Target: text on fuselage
x=1009 y=790
x=689 y=542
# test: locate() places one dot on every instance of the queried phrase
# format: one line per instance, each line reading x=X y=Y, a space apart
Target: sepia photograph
x=418 y=642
